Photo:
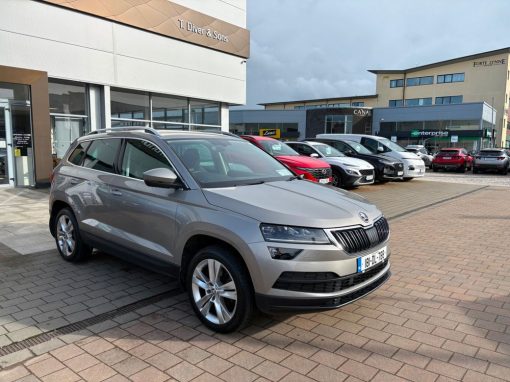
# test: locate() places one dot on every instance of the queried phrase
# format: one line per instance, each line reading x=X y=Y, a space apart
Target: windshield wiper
x=296 y=177
x=250 y=184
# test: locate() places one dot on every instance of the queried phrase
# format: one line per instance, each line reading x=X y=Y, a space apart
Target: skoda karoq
x=232 y=223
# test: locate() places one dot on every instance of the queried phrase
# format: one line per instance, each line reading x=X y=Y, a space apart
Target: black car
x=386 y=168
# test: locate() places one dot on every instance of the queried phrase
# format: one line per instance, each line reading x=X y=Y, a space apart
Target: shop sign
x=361 y=112
x=168 y=19
x=22 y=142
x=454 y=138
x=273 y=133
x=394 y=138
x=429 y=133
x=486 y=63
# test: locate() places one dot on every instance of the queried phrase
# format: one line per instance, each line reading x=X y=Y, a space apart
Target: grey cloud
x=323 y=48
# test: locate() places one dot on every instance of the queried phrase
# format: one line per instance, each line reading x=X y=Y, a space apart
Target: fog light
x=411 y=168
x=284 y=253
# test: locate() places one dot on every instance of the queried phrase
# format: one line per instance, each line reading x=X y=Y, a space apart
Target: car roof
x=451 y=148
x=149 y=132
x=258 y=137
x=493 y=149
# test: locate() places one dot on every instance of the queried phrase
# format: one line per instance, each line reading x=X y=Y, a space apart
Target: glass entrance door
x=5 y=145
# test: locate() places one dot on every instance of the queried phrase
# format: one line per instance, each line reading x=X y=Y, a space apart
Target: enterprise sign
x=430 y=133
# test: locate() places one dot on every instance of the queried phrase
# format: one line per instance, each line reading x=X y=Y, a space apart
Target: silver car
x=235 y=226
x=491 y=159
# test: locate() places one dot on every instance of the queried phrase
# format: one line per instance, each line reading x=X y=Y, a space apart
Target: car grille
x=320 y=173
x=360 y=239
x=366 y=172
x=323 y=282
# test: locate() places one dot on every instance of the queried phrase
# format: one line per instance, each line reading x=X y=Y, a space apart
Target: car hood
x=408 y=155
x=296 y=202
x=301 y=161
x=348 y=161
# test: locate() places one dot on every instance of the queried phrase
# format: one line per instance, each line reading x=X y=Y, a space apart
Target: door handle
x=116 y=192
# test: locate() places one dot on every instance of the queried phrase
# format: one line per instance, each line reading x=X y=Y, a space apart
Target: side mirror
x=314 y=155
x=349 y=153
x=161 y=178
x=380 y=149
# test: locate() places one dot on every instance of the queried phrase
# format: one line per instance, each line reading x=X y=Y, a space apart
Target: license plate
x=400 y=173
x=325 y=180
x=368 y=261
x=447 y=157
x=370 y=177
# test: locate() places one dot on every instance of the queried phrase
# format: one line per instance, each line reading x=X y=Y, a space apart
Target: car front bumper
x=331 y=277
x=274 y=304
x=414 y=169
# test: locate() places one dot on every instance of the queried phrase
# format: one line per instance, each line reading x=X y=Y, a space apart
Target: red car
x=313 y=169
x=452 y=159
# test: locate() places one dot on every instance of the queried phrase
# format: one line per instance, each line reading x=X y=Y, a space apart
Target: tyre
x=337 y=179
x=219 y=289
x=407 y=179
x=434 y=168
x=462 y=168
x=67 y=236
x=475 y=170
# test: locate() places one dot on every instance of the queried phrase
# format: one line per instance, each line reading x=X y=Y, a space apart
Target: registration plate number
x=325 y=180
x=400 y=173
x=447 y=157
x=370 y=177
x=368 y=261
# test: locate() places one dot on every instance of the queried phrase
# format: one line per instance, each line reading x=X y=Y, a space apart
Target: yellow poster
x=17 y=152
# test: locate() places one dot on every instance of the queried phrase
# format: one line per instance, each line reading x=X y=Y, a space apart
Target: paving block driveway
x=443 y=315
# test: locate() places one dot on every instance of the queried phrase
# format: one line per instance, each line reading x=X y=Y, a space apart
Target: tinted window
x=140 y=156
x=328 y=151
x=303 y=149
x=371 y=144
x=101 y=155
x=275 y=147
x=78 y=153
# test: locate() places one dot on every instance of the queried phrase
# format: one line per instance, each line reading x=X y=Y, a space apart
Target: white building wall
x=79 y=47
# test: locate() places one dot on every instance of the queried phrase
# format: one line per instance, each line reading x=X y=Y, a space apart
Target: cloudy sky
x=304 y=49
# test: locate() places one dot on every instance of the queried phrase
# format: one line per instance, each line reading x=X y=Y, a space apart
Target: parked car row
x=459 y=159
x=344 y=160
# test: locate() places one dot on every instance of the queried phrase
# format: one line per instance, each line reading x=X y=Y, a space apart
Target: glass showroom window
x=130 y=108
x=68 y=114
x=204 y=115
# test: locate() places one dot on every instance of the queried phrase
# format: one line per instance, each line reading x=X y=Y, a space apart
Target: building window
x=396 y=103
x=130 y=108
x=300 y=107
x=342 y=104
x=448 y=100
x=448 y=78
x=397 y=83
x=358 y=104
x=417 y=81
x=419 y=101
x=68 y=114
x=130 y=105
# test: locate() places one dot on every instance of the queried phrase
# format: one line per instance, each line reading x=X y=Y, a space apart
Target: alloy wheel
x=214 y=291
x=65 y=235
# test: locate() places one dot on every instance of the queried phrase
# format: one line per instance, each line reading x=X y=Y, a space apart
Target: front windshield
x=359 y=148
x=328 y=151
x=227 y=162
x=275 y=148
x=392 y=145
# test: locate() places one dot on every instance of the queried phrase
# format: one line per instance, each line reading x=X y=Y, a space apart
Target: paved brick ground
x=469 y=178
x=444 y=315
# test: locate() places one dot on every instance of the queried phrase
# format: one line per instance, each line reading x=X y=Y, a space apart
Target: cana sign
x=361 y=112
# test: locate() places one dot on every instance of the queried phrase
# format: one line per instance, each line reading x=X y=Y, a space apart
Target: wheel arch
x=56 y=207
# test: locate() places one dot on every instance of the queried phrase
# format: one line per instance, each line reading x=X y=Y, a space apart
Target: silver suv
x=234 y=224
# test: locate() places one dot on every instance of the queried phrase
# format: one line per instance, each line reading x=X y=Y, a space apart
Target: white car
x=413 y=165
x=347 y=172
x=421 y=151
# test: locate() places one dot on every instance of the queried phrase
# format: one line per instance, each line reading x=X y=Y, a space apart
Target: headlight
x=352 y=172
x=389 y=170
x=298 y=235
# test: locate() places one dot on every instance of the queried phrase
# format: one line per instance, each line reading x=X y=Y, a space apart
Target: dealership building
x=462 y=102
x=69 y=67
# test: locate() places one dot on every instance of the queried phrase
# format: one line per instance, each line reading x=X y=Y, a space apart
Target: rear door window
x=140 y=156
x=371 y=144
x=101 y=155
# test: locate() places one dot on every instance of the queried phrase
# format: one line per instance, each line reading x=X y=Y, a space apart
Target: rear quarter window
x=78 y=153
x=101 y=155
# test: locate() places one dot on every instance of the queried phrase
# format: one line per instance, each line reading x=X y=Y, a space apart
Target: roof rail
x=126 y=128
x=223 y=133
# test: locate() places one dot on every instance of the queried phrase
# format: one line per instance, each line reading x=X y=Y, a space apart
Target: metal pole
x=493 y=125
